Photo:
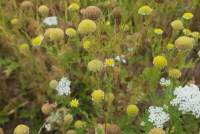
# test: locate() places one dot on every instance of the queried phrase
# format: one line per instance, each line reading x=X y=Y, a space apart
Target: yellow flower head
x=14 y=21
x=78 y=124
x=184 y=43
x=177 y=25
x=87 y=26
x=87 y=44
x=110 y=97
x=109 y=62
x=175 y=73
x=38 y=40
x=125 y=27
x=160 y=61
x=132 y=110
x=170 y=46
x=24 y=47
x=157 y=131
x=74 y=103
x=21 y=129
x=70 y=32
x=158 y=31
x=186 y=31
x=95 y=65
x=56 y=34
x=107 y=23
x=43 y=9
x=97 y=95
x=187 y=15
x=73 y=7
x=196 y=35
x=145 y=10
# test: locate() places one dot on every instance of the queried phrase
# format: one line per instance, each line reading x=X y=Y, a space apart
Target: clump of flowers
x=46 y=109
x=158 y=31
x=95 y=65
x=175 y=73
x=187 y=15
x=132 y=110
x=187 y=99
x=92 y=12
x=157 y=131
x=21 y=129
x=186 y=31
x=24 y=48
x=70 y=32
x=51 y=21
x=184 y=43
x=170 y=46
x=109 y=62
x=177 y=25
x=160 y=61
x=87 y=26
x=157 y=116
x=63 y=86
x=73 y=7
x=97 y=95
x=43 y=9
x=78 y=124
x=56 y=34
x=74 y=103
x=14 y=21
x=145 y=10
x=164 y=82
x=38 y=40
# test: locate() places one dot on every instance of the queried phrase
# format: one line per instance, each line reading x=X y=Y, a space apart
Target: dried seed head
x=26 y=4
x=47 y=33
x=82 y=11
x=184 y=43
x=87 y=26
x=116 y=13
x=95 y=65
x=46 y=109
x=21 y=129
x=91 y=131
x=43 y=9
x=71 y=132
x=113 y=129
x=1 y=131
x=104 y=38
x=56 y=34
x=53 y=84
x=92 y=12
x=157 y=131
x=177 y=25
x=68 y=119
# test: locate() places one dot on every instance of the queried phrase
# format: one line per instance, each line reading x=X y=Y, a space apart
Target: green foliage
x=4 y=115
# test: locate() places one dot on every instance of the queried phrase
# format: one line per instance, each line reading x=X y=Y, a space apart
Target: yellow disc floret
x=187 y=15
x=177 y=25
x=87 y=44
x=14 y=21
x=186 y=31
x=158 y=31
x=70 y=32
x=21 y=129
x=56 y=34
x=175 y=73
x=95 y=65
x=78 y=124
x=195 y=34
x=170 y=46
x=38 y=40
x=87 y=26
x=74 y=103
x=160 y=61
x=132 y=110
x=145 y=10
x=73 y=7
x=109 y=62
x=97 y=95
x=43 y=9
x=24 y=47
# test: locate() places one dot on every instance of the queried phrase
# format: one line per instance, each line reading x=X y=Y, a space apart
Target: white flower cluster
x=164 y=82
x=48 y=127
x=51 y=21
x=188 y=99
x=157 y=116
x=120 y=57
x=63 y=86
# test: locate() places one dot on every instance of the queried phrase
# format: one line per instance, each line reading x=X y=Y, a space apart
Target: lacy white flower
x=51 y=21
x=142 y=123
x=63 y=86
x=188 y=99
x=157 y=116
x=164 y=82
x=120 y=57
x=54 y=117
x=48 y=127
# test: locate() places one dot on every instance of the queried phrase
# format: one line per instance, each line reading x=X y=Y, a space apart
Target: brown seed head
x=104 y=38
x=160 y=1
x=26 y=4
x=92 y=12
x=184 y=43
x=113 y=129
x=116 y=13
x=1 y=131
x=46 y=109
x=71 y=132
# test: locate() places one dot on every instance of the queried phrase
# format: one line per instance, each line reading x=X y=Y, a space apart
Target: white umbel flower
x=188 y=99
x=48 y=127
x=164 y=82
x=157 y=116
x=51 y=21
x=63 y=86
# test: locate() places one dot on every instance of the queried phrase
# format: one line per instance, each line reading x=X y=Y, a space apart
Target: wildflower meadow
x=100 y=67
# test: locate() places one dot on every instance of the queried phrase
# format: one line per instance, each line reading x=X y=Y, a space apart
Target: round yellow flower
x=14 y=21
x=125 y=27
x=175 y=73
x=110 y=97
x=74 y=103
x=87 y=44
x=21 y=129
x=187 y=15
x=170 y=46
x=107 y=23
x=43 y=9
x=73 y=7
x=186 y=31
x=97 y=95
x=53 y=84
x=196 y=35
x=158 y=31
x=87 y=26
x=38 y=40
x=109 y=62
x=145 y=10
x=70 y=32
x=132 y=110
x=56 y=34
x=24 y=47
x=157 y=131
x=177 y=25
x=95 y=65
x=184 y=43
x=78 y=124
x=160 y=61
